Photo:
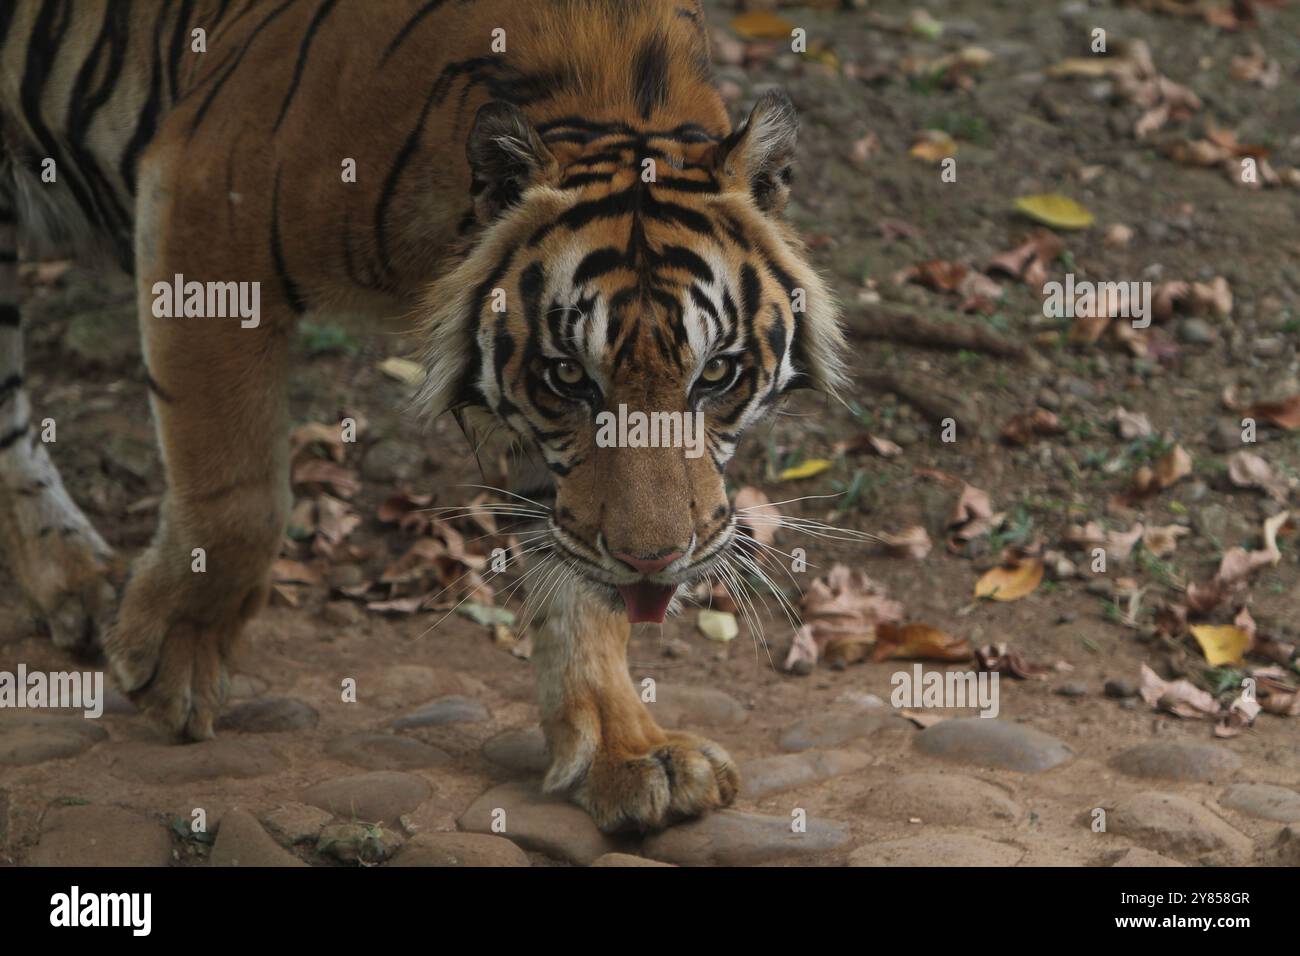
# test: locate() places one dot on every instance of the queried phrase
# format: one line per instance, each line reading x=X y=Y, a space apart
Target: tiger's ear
x=759 y=155
x=505 y=156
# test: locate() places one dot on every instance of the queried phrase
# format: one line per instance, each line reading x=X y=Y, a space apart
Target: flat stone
x=100 y=836
x=189 y=763
x=357 y=843
x=445 y=710
x=949 y=799
x=937 y=849
x=772 y=774
x=241 y=841
x=1176 y=826
x=385 y=752
x=29 y=738
x=1178 y=760
x=296 y=822
x=379 y=797
x=989 y=742
x=1136 y=856
x=460 y=849
x=521 y=751
x=268 y=715
x=733 y=838
x=1263 y=800
x=1285 y=848
x=539 y=822
x=404 y=685
x=244 y=686
x=833 y=729
x=626 y=859
x=679 y=705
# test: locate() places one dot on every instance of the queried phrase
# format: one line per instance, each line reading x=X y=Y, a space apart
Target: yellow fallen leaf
x=1221 y=645
x=404 y=370
x=717 y=625
x=933 y=146
x=808 y=469
x=1053 y=209
x=762 y=25
x=1010 y=584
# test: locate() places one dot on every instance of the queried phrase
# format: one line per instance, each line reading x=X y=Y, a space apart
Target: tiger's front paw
x=178 y=678
x=172 y=657
x=683 y=777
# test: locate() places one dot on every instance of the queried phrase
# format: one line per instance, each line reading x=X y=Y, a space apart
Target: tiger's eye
x=569 y=373
x=715 y=370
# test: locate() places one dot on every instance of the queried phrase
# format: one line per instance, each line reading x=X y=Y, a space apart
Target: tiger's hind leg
x=60 y=562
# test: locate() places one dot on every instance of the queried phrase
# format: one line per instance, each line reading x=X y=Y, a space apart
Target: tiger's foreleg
x=606 y=750
x=219 y=400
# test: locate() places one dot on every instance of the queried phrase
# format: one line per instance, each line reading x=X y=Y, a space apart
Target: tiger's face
x=635 y=305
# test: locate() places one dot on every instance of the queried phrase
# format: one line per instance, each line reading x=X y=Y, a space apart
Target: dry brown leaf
x=317 y=474
x=933 y=146
x=868 y=442
x=1163 y=541
x=756 y=515
x=1241 y=713
x=1257 y=67
x=999 y=658
x=1235 y=567
x=1131 y=425
x=1030 y=261
x=1284 y=413
x=913 y=542
x=1011 y=583
x=1248 y=470
x=318 y=434
x=918 y=642
x=286 y=571
x=844 y=609
x=1028 y=425
x=1181 y=697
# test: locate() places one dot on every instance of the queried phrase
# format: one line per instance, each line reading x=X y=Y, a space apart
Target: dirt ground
x=869 y=210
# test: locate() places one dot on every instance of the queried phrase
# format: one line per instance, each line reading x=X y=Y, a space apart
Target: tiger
x=556 y=194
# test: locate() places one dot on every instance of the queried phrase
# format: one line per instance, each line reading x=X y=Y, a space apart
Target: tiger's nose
x=646 y=565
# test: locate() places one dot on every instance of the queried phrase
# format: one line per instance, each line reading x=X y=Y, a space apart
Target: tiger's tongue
x=647 y=601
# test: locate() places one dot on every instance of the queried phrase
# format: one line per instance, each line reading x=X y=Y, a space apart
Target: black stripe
x=8 y=439
x=437 y=93
x=43 y=47
x=596 y=264
x=147 y=120
x=6 y=20
x=85 y=102
x=679 y=257
x=10 y=317
x=156 y=388
x=407 y=27
x=650 y=75
x=9 y=387
x=292 y=294
x=230 y=71
x=321 y=13
x=180 y=33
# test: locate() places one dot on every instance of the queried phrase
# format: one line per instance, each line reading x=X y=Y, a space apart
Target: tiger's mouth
x=649 y=598
x=647 y=601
